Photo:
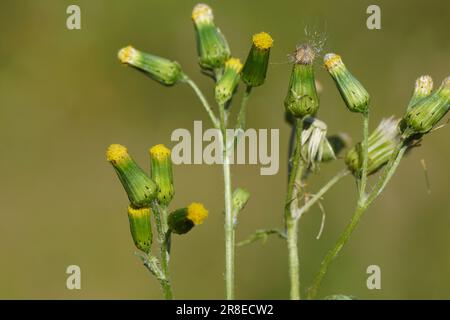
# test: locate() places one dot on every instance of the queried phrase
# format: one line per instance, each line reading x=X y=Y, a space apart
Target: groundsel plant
x=377 y=153
x=150 y=196
x=381 y=151
x=215 y=61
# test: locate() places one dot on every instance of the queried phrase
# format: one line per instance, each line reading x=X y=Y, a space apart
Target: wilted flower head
x=381 y=145
x=314 y=141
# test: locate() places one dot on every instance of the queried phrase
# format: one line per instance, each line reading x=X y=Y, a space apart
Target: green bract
x=141 y=190
x=255 y=68
x=227 y=84
x=161 y=166
x=427 y=112
x=422 y=89
x=302 y=99
x=140 y=227
x=212 y=47
x=382 y=143
x=160 y=69
x=355 y=96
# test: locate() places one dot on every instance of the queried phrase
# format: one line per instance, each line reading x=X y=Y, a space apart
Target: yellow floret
x=197 y=213
x=127 y=54
x=159 y=152
x=234 y=63
x=262 y=40
x=202 y=12
x=332 y=60
x=138 y=212
x=116 y=152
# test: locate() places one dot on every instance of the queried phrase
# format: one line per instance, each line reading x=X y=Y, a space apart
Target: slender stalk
x=229 y=216
x=321 y=192
x=229 y=230
x=229 y=223
x=241 y=119
x=161 y=228
x=365 y=158
x=361 y=208
x=294 y=189
x=203 y=100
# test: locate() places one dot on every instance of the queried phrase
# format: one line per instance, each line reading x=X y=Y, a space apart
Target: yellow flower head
x=138 y=212
x=159 y=152
x=127 y=54
x=197 y=213
x=234 y=63
x=332 y=60
x=116 y=152
x=202 y=13
x=262 y=41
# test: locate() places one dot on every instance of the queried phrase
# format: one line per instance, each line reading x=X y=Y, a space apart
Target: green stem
x=290 y=221
x=365 y=158
x=362 y=207
x=203 y=100
x=241 y=119
x=321 y=192
x=229 y=216
x=161 y=227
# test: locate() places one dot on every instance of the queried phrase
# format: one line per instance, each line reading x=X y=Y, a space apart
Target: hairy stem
x=241 y=119
x=203 y=100
x=321 y=192
x=365 y=158
x=229 y=216
x=361 y=208
x=161 y=228
x=294 y=189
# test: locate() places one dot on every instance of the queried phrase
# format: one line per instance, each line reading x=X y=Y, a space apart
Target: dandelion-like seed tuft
x=304 y=54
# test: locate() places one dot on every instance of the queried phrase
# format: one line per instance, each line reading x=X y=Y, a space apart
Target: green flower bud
x=212 y=46
x=161 y=165
x=140 y=227
x=422 y=89
x=355 y=96
x=381 y=144
x=183 y=220
x=141 y=190
x=334 y=146
x=160 y=69
x=427 y=112
x=240 y=199
x=255 y=68
x=227 y=84
x=302 y=99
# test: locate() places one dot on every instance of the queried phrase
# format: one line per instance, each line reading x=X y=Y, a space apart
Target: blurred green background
x=64 y=98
